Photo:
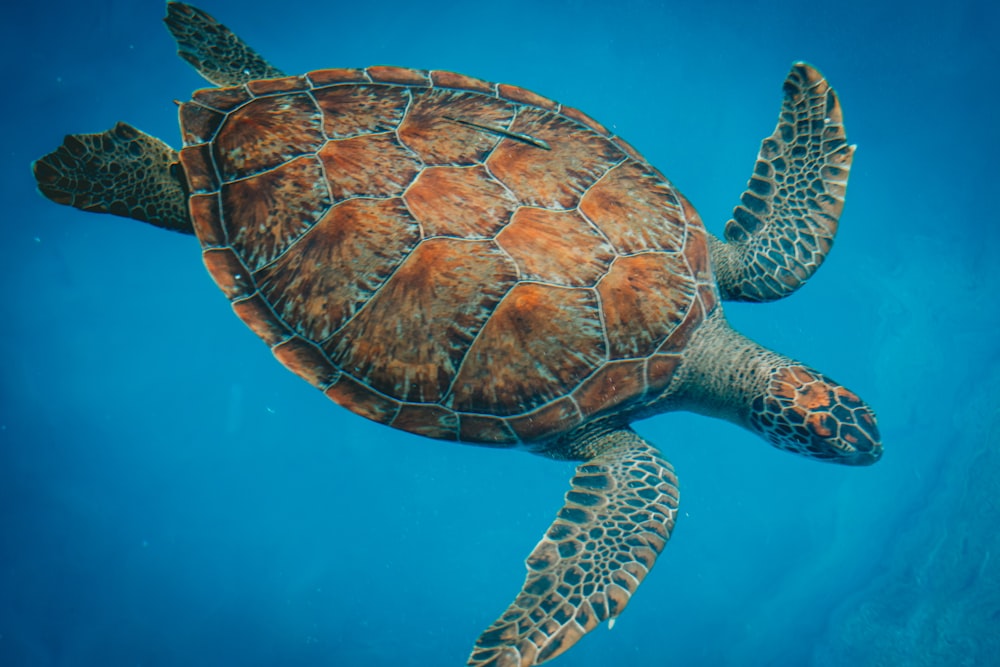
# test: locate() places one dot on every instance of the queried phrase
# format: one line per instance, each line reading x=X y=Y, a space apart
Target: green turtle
x=474 y=262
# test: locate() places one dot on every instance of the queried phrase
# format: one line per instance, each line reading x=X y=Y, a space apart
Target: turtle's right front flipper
x=212 y=48
x=784 y=226
x=617 y=518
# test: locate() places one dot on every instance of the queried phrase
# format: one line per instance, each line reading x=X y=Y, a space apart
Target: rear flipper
x=121 y=171
x=784 y=227
x=212 y=48
x=617 y=518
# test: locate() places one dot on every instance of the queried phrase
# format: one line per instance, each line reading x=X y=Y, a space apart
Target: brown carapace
x=473 y=262
x=437 y=276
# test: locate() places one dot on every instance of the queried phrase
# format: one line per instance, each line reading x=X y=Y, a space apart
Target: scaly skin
x=793 y=407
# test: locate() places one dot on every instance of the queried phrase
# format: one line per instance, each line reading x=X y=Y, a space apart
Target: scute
x=558 y=247
x=409 y=339
x=265 y=214
x=454 y=258
x=645 y=297
x=558 y=178
x=430 y=129
x=536 y=347
x=266 y=134
x=334 y=269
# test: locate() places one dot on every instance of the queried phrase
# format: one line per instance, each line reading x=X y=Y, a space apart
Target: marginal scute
x=518 y=94
x=221 y=99
x=486 y=430
x=550 y=420
x=359 y=399
x=629 y=149
x=427 y=420
x=206 y=219
x=199 y=169
x=696 y=243
x=325 y=77
x=443 y=79
x=581 y=117
x=400 y=75
x=255 y=312
x=306 y=360
x=199 y=123
x=228 y=272
x=709 y=296
x=283 y=84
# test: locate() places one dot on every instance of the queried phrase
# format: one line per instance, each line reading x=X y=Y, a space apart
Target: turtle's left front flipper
x=617 y=518
x=784 y=226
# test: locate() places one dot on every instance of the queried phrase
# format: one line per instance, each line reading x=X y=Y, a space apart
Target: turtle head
x=805 y=412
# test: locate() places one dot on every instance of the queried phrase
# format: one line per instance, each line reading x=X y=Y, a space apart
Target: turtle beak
x=861 y=438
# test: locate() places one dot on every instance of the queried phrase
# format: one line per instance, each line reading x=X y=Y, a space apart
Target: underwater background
x=170 y=495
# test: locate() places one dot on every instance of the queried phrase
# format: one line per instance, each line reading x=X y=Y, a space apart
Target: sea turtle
x=474 y=262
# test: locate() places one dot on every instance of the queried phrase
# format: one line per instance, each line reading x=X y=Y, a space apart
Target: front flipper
x=617 y=518
x=121 y=171
x=213 y=49
x=784 y=227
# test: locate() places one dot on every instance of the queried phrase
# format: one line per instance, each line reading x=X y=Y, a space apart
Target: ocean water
x=170 y=495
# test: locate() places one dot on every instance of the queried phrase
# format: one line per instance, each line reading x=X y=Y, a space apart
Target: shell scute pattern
x=259 y=230
x=349 y=111
x=559 y=177
x=464 y=202
x=558 y=247
x=409 y=339
x=439 y=139
x=520 y=360
x=259 y=137
x=279 y=85
x=369 y=165
x=399 y=244
x=338 y=265
x=221 y=99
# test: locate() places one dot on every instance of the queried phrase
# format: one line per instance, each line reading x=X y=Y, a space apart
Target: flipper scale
x=213 y=49
x=785 y=224
x=121 y=171
x=617 y=518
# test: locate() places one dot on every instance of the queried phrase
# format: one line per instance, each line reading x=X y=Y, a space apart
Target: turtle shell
x=459 y=259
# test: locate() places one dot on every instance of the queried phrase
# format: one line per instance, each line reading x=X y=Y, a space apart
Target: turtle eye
x=807 y=413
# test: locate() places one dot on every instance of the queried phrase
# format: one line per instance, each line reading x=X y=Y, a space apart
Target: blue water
x=169 y=495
